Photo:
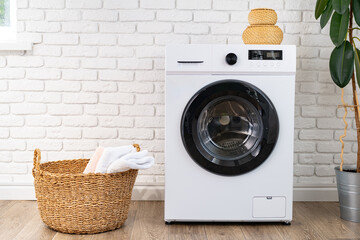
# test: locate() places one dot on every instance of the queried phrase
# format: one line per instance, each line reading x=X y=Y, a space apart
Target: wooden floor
x=312 y=220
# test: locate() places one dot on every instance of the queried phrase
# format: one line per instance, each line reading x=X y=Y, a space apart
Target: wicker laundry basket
x=72 y=202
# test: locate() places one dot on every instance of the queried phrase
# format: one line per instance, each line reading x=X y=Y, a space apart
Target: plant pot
x=348 y=184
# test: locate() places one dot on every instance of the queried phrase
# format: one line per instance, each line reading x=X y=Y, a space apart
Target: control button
x=258 y=64
x=231 y=58
x=272 y=64
x=278 y=64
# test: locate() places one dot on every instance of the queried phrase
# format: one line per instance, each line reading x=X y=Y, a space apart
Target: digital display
x=265 y=55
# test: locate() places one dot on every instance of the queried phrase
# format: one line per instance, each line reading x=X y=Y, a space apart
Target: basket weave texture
x=262 y=34
x=262 y=16
x=72 y=202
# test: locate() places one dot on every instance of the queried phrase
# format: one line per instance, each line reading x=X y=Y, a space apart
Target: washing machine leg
x=287 y=222
x=168 y=222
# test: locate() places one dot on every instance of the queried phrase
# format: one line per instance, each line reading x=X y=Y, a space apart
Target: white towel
x=110 y=155
x=133 y=160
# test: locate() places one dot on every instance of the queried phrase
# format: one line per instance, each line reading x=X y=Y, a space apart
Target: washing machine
x=229 y=133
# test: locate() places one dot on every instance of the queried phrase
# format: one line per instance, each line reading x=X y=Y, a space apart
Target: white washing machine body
x=198 y=190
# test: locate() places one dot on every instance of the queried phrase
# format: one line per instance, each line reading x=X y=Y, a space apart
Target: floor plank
x=20 y=220
x=149 y=222
x=224 y=231
x=16 y=218
x=324 y=223
x=334 y=209
x=63 y=236
x=301 y=227
x=5 y=205
x=35 y=229
x=261 y=231
x=182 y=231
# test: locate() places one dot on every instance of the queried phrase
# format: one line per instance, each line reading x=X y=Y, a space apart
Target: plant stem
x=350 y=29
x=357 y=39
x=355 y=99
x=346 y=126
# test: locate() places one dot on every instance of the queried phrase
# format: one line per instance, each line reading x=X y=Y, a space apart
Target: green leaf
x=320 y=6
x=338 y=27
x=357 y=65
x=342 y=64
x=356 y=11
x=340 y=6
x=326 y=14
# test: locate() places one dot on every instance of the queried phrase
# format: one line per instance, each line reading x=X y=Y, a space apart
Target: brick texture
x=95 y=76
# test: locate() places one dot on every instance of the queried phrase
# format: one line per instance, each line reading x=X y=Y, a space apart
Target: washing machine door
x=229 y=127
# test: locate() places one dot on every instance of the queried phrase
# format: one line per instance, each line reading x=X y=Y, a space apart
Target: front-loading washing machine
x=229 y=132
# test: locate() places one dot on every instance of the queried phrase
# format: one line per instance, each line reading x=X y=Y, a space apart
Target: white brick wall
x=95 y=77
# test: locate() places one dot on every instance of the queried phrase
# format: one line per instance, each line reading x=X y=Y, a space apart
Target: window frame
x=8 y=33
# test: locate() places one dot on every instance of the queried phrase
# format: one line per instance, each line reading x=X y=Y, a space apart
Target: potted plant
x=342 y=61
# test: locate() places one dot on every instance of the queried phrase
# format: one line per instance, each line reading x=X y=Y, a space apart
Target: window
x=7 y=20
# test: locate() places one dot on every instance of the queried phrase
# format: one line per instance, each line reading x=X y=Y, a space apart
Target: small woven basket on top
x=72 y=202
x=262 y=16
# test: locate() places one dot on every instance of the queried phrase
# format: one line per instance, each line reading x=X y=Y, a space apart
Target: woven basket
x=262 y=34
x=72 y=202
x=262 y=16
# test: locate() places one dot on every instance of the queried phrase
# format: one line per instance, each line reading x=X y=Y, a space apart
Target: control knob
x=231 y=58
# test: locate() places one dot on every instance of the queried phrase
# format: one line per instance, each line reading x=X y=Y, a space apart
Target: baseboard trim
x=156 y=193
x=315 y=194
x=26 y=192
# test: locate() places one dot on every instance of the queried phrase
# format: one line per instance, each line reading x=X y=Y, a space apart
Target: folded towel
x=91 y=166
x=111 y=154
x=133 y=160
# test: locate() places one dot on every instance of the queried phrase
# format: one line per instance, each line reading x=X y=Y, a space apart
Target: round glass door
x=229 y=127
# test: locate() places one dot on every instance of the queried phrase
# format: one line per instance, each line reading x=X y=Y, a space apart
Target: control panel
x=231 y=59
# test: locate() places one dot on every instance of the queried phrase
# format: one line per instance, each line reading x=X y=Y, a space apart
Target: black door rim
x=236 y=88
